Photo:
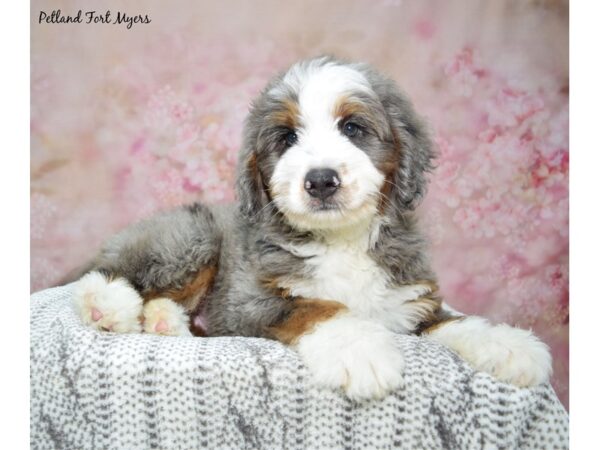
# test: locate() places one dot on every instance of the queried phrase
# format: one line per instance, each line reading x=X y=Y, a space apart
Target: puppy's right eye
x=290 y=138
x=350 y=129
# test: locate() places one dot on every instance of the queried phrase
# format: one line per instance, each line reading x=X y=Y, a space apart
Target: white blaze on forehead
x=320 y=85
x=321 y=91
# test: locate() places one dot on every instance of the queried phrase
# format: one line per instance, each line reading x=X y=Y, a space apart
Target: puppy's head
x=330 y=144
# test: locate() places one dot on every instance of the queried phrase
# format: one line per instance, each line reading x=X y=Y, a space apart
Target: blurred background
x=126 y=122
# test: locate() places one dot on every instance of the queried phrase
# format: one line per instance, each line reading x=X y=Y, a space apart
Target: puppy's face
x=324 y=145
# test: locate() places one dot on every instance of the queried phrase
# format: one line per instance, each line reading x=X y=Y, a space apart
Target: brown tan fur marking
x=346 y=107
x=305 y=314
x=432 y=285
x=288 y=116
x=254 y=173
x=437 y=325
x=253 y=169
x=388 y=168
x=437 y=318
x=190 y=294
x=273 y=284
x=426 y=307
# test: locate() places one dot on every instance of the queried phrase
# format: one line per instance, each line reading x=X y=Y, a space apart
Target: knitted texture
x=92 y=390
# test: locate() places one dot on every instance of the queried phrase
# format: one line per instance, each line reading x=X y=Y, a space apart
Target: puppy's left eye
x=350 y=129
x=290 y=138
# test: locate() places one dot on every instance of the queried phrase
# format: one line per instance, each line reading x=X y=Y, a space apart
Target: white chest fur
x=344 y=273
x=342 y=270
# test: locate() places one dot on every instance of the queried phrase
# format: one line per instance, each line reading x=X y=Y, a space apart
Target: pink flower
x=424 y=28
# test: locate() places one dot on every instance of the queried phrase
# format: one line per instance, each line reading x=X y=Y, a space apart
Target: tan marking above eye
x=346 y=107
x=287 y=115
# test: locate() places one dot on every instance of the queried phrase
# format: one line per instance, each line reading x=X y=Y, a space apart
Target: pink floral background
x=126 y=122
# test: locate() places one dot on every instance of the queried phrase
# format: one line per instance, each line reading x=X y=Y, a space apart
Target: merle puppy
x=322 y=252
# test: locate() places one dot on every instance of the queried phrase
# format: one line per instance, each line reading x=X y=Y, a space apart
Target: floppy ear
x=249 y=184
x=413 y=146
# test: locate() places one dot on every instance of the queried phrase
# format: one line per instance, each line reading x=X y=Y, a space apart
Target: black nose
x=321 y=183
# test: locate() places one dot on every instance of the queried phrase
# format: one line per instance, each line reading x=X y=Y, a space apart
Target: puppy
x=322 y=252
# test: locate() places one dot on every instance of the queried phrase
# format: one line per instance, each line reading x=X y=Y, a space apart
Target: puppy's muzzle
x=321 y=183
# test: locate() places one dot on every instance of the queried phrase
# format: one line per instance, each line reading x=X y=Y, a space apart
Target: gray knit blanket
x=92 y=390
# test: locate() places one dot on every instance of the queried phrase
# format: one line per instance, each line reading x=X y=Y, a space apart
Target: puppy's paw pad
x=96 y=315
x=353 y=354
x=161 y=326
x=165 y=317
x=107 y=305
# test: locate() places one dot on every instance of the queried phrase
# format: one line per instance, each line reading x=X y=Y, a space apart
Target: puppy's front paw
x=509 y=354
x=354 y=354
x=108 y=305
x=165 y=317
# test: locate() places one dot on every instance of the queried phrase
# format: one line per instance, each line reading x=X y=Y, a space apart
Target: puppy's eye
x=290 y=138
x=350 y=129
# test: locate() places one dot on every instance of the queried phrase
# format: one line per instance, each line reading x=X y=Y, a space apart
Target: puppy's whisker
x=263 y=208
x=388 y=201
x=393 y=184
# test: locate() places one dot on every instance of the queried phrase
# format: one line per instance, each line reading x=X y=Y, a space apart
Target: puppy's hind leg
x=156 y=271
x=108 y=304
x=165 y=317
